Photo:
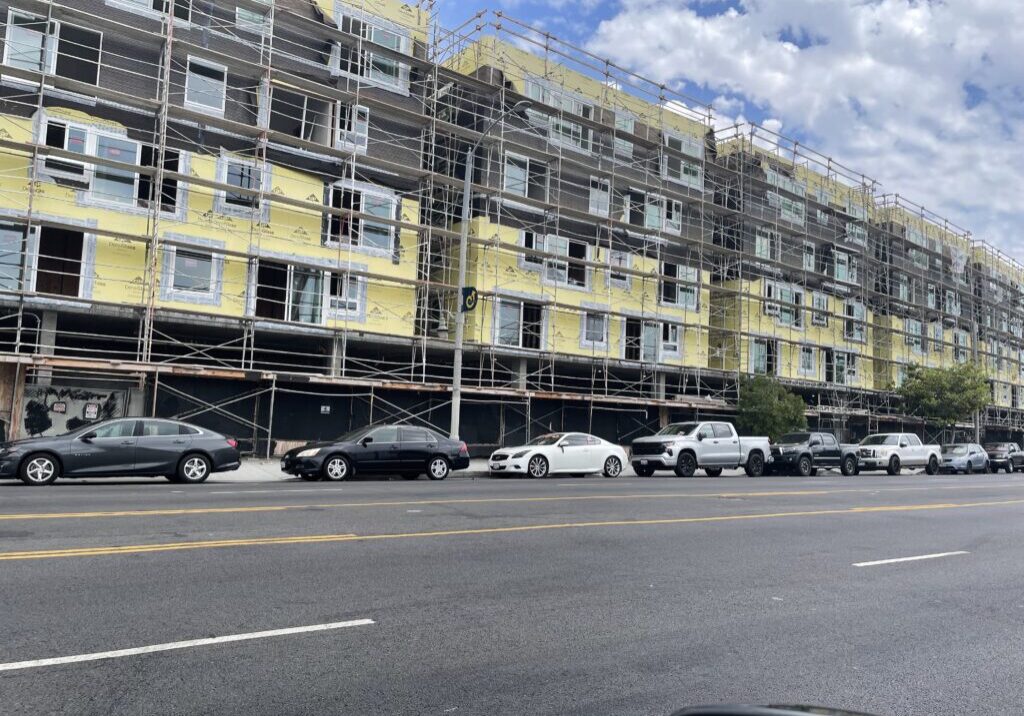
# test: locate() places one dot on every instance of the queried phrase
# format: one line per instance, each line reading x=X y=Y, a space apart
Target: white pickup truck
x=894 y=451
x=710 y=446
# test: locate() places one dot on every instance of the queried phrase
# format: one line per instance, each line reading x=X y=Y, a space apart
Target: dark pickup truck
x=805 y=453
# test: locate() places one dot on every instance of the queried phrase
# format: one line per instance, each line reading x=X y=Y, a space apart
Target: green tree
x=765 y=407
x=945 y=396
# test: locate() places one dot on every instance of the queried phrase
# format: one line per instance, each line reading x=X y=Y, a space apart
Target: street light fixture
x=460 y=316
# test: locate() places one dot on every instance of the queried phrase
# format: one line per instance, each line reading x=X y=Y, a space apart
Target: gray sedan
x=124 y=447
x=965 y=458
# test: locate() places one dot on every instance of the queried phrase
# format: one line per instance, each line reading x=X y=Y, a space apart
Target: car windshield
x=549 y=439
x=954 y=450
x=997 y=446
x=795 y=438
x=880 y=440
x=678 y=429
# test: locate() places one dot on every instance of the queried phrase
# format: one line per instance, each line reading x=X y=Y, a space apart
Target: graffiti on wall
x=52 y=410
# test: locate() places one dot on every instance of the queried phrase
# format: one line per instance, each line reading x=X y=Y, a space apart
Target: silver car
x=965 y=458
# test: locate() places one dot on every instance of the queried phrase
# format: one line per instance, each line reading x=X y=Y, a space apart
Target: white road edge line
x=16 y=665
x=908 y=559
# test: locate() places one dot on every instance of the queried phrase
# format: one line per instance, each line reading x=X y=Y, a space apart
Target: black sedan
x=406 y=450
x=123 y=447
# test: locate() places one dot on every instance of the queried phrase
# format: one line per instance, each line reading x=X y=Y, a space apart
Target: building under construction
x=247 y=215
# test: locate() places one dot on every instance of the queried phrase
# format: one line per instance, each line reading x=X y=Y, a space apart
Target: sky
x=924 y=96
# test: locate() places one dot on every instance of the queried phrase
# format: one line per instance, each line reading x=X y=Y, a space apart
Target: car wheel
x=986 y=468
x=804 y=466
x=933 y=465
x=643 y=471
x=410 y=475
x=893 y=468
x=755 y=465
x=1009 y=469
x=686 y=465
x=438 y=468
x=612 y=467
x=713 y=471
x=537 y=467
x=39 y=469
x=849 y=466
x=193 y=468
x=337 y=467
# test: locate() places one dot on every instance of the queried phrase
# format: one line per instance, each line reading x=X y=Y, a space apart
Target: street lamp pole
x=460 y=316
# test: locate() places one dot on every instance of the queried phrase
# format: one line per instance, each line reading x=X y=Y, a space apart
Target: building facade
x=247 y=214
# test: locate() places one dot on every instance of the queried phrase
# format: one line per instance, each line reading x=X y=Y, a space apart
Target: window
x=12 y=249
x=766 y=243
x=116 y=429
x=359 y=61
x=960 y=345
x=952 y=303
x=291 y=293
x=913 y=331
x=618 y=260
x=938 y=336
x=623 y=148
x=722 y=430
x=674 y=216
x=782 y=180
x=762 y=356
x=678 y=169
x=59 y=266
x=595 y=330
x=518 y=324
x=675 y=294
x=526 y=177
x=250 y=21
x=930 y=291
x=182 y=8
x=205 y=86
x=300 y=116
x=416 y=435
x=808 y=361
x=855 y=329
x=570 y=273
x=29 y=46
x=243 y=176
x=641 y=340
x=353 y=125
x=561 y=129
x=902 y=287
x=789 y=209
x=822 y=217
x=644 y=210
x=150 y=157
x=856 y=234
x=808 y=257
x=192 y=271
x=788 y=311
x=70 y=138
x=158 y=428
x=344 y=293
x=670 y=342
x=600 y=196
x=111 y=184
x=531 y=241
x=840 y=367
x=819 y=301
x=388 y=434
x=357 y=231
x=845 y=267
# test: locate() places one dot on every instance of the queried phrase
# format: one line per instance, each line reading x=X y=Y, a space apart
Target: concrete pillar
x=660 y=383
x=521 y=374
x=663 y=416
x=47 y=341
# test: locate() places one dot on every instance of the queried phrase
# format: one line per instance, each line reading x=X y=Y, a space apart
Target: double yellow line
x=313 y=539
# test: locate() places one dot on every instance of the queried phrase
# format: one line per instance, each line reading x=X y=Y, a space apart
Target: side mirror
x=366 y=441
x=904 y=444
x=700 y=436
x=814 y=443
x=87 y=438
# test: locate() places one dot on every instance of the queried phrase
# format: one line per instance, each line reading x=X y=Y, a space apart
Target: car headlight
x=521 y=453
x=308 y=453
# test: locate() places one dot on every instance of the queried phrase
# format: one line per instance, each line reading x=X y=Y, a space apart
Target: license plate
x=643 y=462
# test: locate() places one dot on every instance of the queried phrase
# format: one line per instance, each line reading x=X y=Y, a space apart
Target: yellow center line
x=170 y=512
x=309 y=539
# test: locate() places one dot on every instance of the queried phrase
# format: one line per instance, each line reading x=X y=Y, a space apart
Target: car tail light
x=232 y=442
x=463 y=449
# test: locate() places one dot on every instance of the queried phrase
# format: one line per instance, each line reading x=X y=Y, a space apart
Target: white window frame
x=755 y=343
x=810 y=371
x=387 y=196
x=624 y=122
x=669 y=347
x=765 y=236
x=208 y=64
x=808 y=252
x=358 y=283
x=99 y=199
x=859 y=317
x=556 y=267
x=223 y=206
x=170 y=292
x=672 y=211
x=526 y=186
x=585 y=341
x=597 y=206
x=914 y=335
x=369 y=25
x=358 y=137
x=248 y=25
x=85 y=177
x=692 y=293
x=496 y=324
x=619 y=259
x=821 y=313
x=693 y=179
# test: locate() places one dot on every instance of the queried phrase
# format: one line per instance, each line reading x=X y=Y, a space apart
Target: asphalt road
x=566 y=596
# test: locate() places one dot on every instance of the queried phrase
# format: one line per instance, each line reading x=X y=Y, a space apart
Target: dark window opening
x=271 y=290
x=60 y=262
x=533 y=325
x=78 y=54
x=577 y=272
x=169 y=195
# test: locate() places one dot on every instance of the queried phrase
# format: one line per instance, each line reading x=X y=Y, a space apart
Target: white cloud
x=881 y=86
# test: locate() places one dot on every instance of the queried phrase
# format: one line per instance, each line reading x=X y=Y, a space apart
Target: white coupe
x=559 y=452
